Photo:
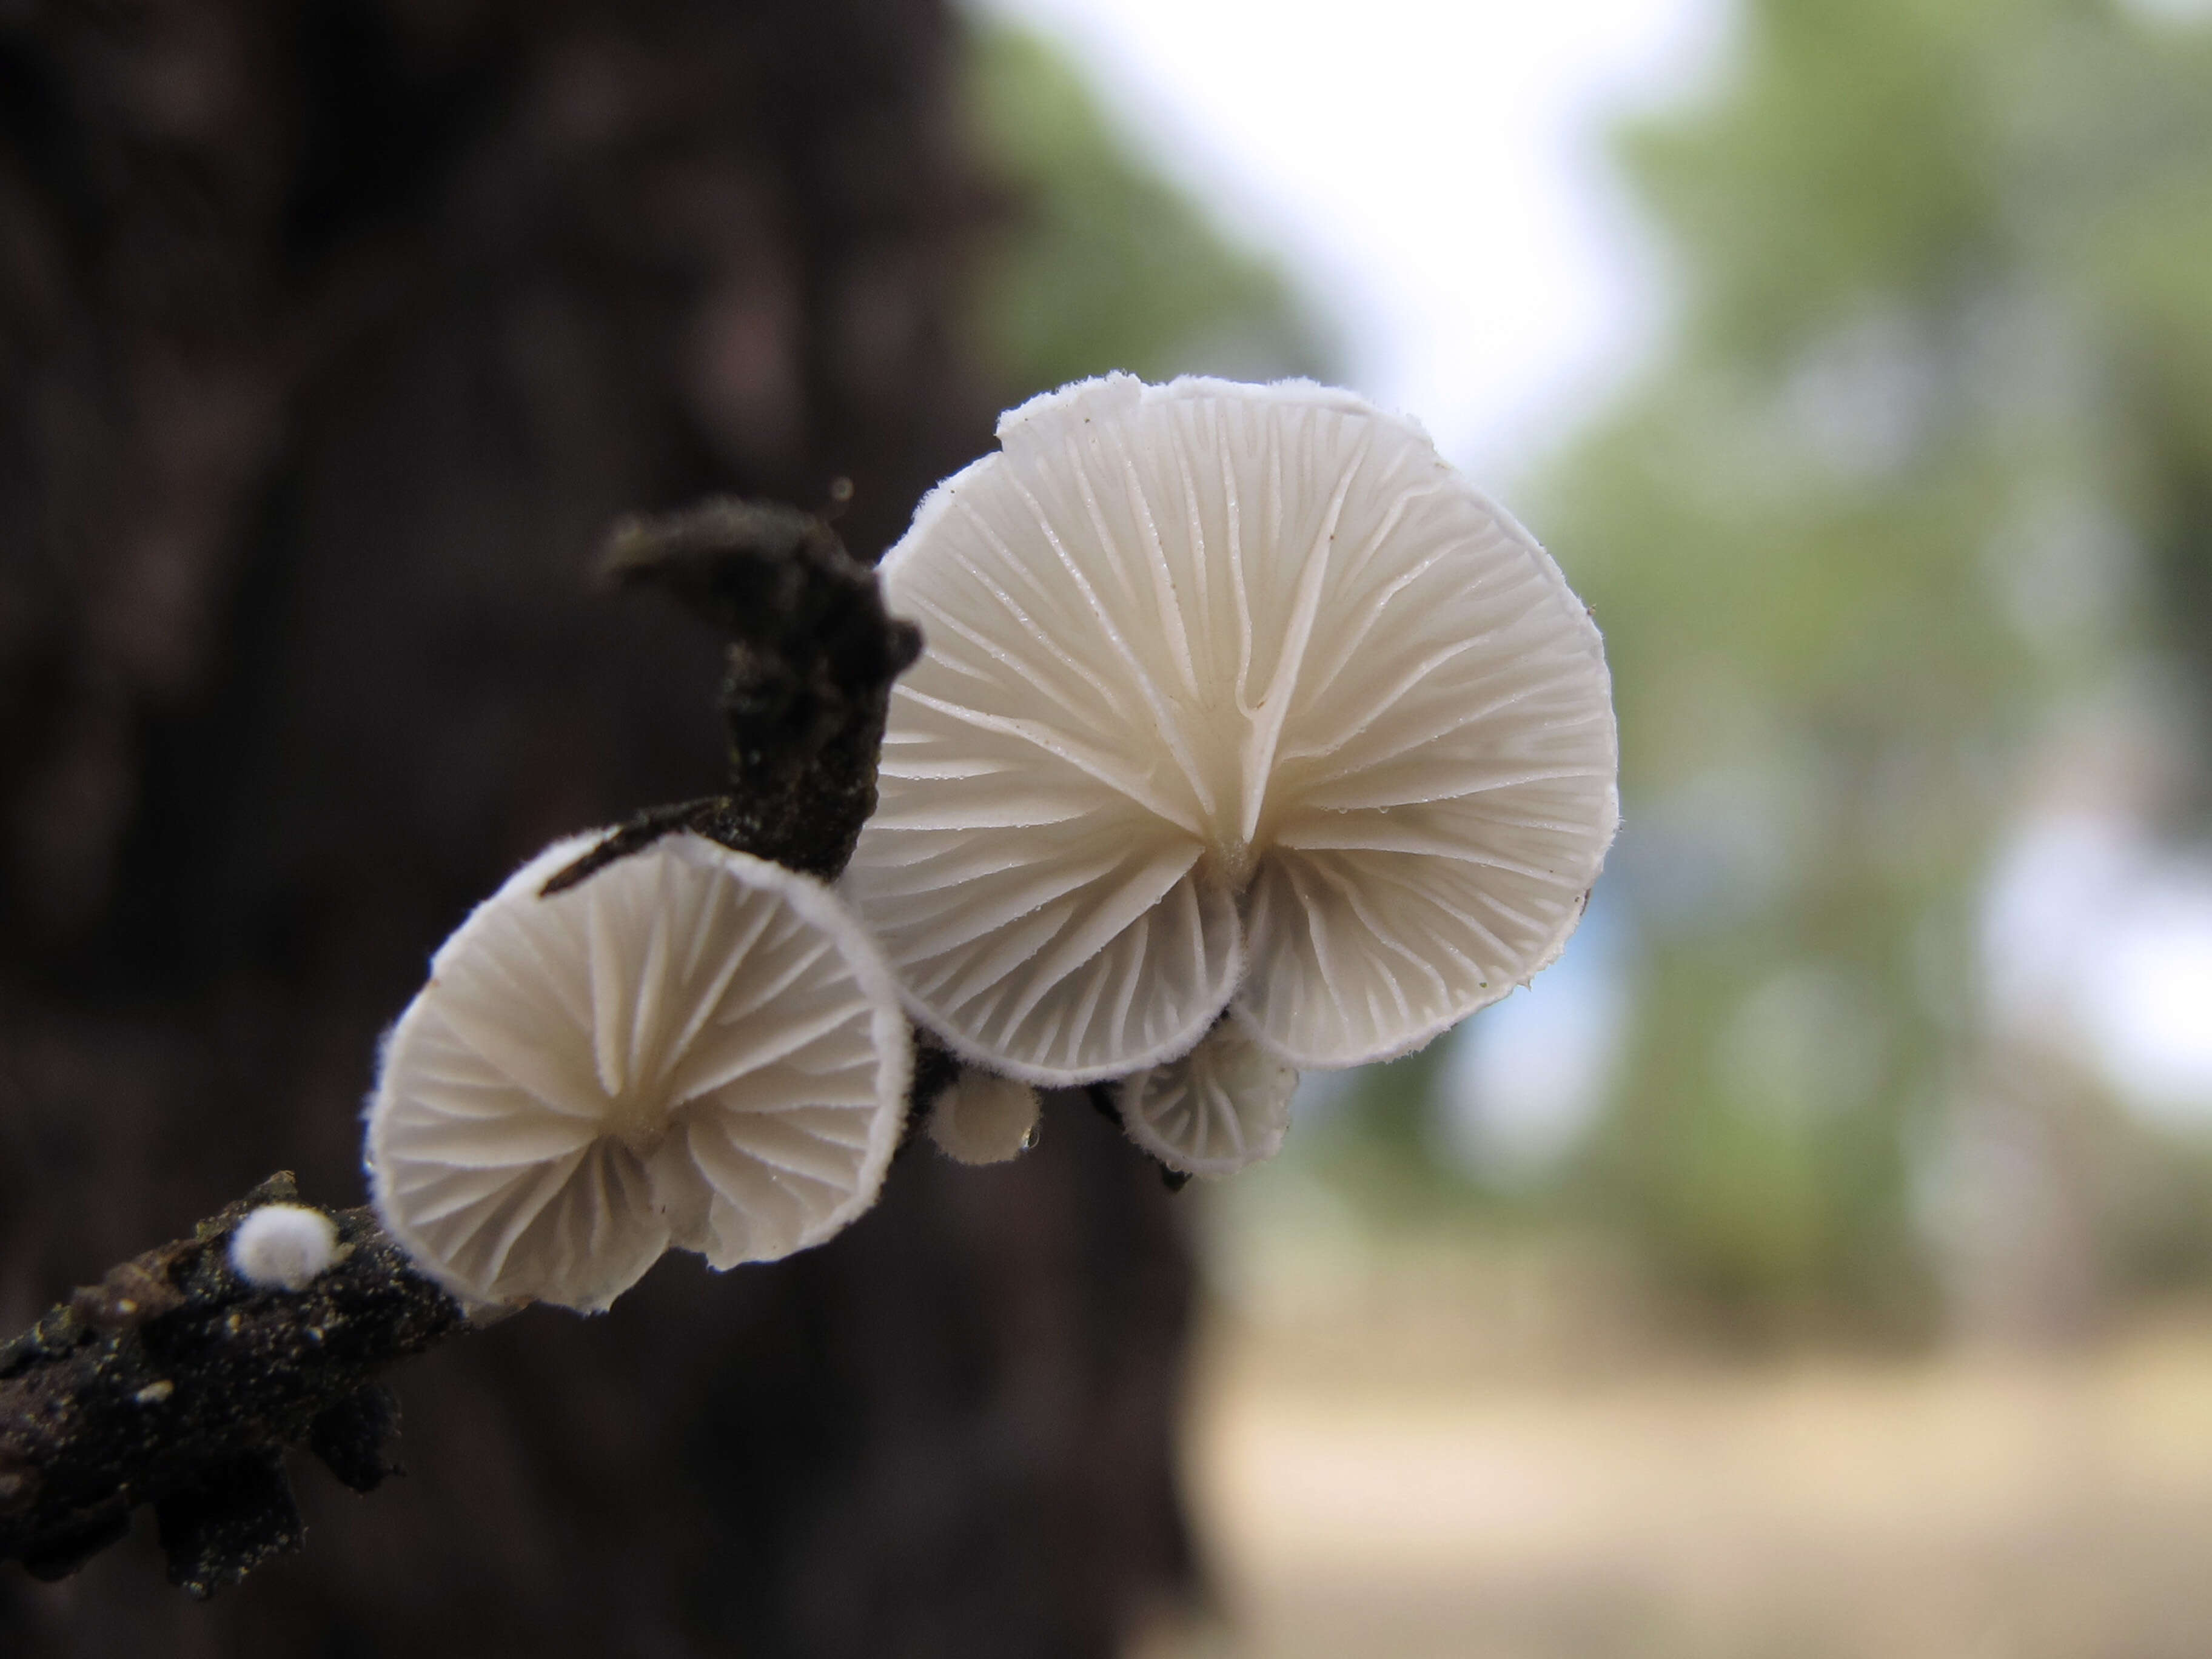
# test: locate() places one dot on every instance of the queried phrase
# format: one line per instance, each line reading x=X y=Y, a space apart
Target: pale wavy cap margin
x=1219 y=1109
x=888 y=1029
x=812 y=903
x=1057 y=417
x=1121 y=391
x=1308 y=1060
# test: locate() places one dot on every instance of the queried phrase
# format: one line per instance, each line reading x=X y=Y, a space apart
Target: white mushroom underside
x=1218 y=673
x=690 y=1048
x=1223 y=1107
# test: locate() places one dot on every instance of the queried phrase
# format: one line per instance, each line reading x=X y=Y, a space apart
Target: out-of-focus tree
x=332 y=338
x=1934 y=422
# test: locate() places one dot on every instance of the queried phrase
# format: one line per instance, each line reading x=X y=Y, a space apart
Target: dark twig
x=174 y=1382
x=935 y=1070
x=813 y=656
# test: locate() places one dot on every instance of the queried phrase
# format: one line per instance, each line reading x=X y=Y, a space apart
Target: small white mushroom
x=1231 y=692
x=983 y=1118
x=1223 y=1107
x=690 y=1048
x=283 y=1247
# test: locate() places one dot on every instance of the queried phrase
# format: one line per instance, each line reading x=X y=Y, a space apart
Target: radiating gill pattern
x=690 y=1048
x=1221 y=1107
x=1062 y=948
x=1180 y=637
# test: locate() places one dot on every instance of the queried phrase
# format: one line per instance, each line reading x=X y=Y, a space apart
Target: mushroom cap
x=284 y=1246
x=691 y=1047
x=1221 y=674
x=1223 y=1107
x=982 y=1118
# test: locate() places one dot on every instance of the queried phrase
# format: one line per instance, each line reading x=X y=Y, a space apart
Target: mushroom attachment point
x=1232 y=695
x=1221 y=1107
x=690 y=1048
x=982 y=1118
x=283 y=1247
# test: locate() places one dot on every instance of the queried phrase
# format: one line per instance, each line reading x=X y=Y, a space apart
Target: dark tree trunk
x=332 y=336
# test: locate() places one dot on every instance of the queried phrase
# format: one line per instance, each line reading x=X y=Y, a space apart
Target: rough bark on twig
x=174 y=1382
x=812 y=655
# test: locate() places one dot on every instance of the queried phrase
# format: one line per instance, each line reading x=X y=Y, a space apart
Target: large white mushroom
x=689 y=1047
x=1231 y=692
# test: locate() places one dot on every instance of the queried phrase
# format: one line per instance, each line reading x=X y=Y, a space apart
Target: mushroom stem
x=640 y=1121
x=1228 y=863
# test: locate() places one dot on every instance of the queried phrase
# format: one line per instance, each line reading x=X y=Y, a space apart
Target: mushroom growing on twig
x=1231 y=692
x=1223 y=1107
x=690 y=1048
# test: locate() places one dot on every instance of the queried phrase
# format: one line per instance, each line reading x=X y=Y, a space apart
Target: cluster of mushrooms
x=1248 y=739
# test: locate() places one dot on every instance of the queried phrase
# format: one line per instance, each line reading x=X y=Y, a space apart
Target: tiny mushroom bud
x=690 y=1046
x=1232 y=694
x=1221 y=1107
x=983 y=1118
x=282 y=1247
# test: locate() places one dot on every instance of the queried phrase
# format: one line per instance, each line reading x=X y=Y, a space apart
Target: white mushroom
x=1221 y=1107
x=692 y=1047
x=1231 y=692
x=283 y=1247
x=982 y=1118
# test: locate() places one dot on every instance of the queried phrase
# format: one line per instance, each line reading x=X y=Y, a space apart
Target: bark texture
x=332 y=338
x=174 y=1382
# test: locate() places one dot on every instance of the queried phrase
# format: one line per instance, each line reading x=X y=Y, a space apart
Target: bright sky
x=1432 y=168
x=2097 y=938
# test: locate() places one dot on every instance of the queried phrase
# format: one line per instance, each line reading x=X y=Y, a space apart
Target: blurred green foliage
x=1928 y=456
x=1924 y=461
x=1098 y=260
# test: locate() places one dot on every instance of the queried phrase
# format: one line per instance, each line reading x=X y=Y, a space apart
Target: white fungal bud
x=983 y=1118
x=282 y=1247
x=1231 y=693
x=1221 y=1107
x=690 y=1046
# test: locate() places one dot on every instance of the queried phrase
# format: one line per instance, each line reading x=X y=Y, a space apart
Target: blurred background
x=1817 y=1260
